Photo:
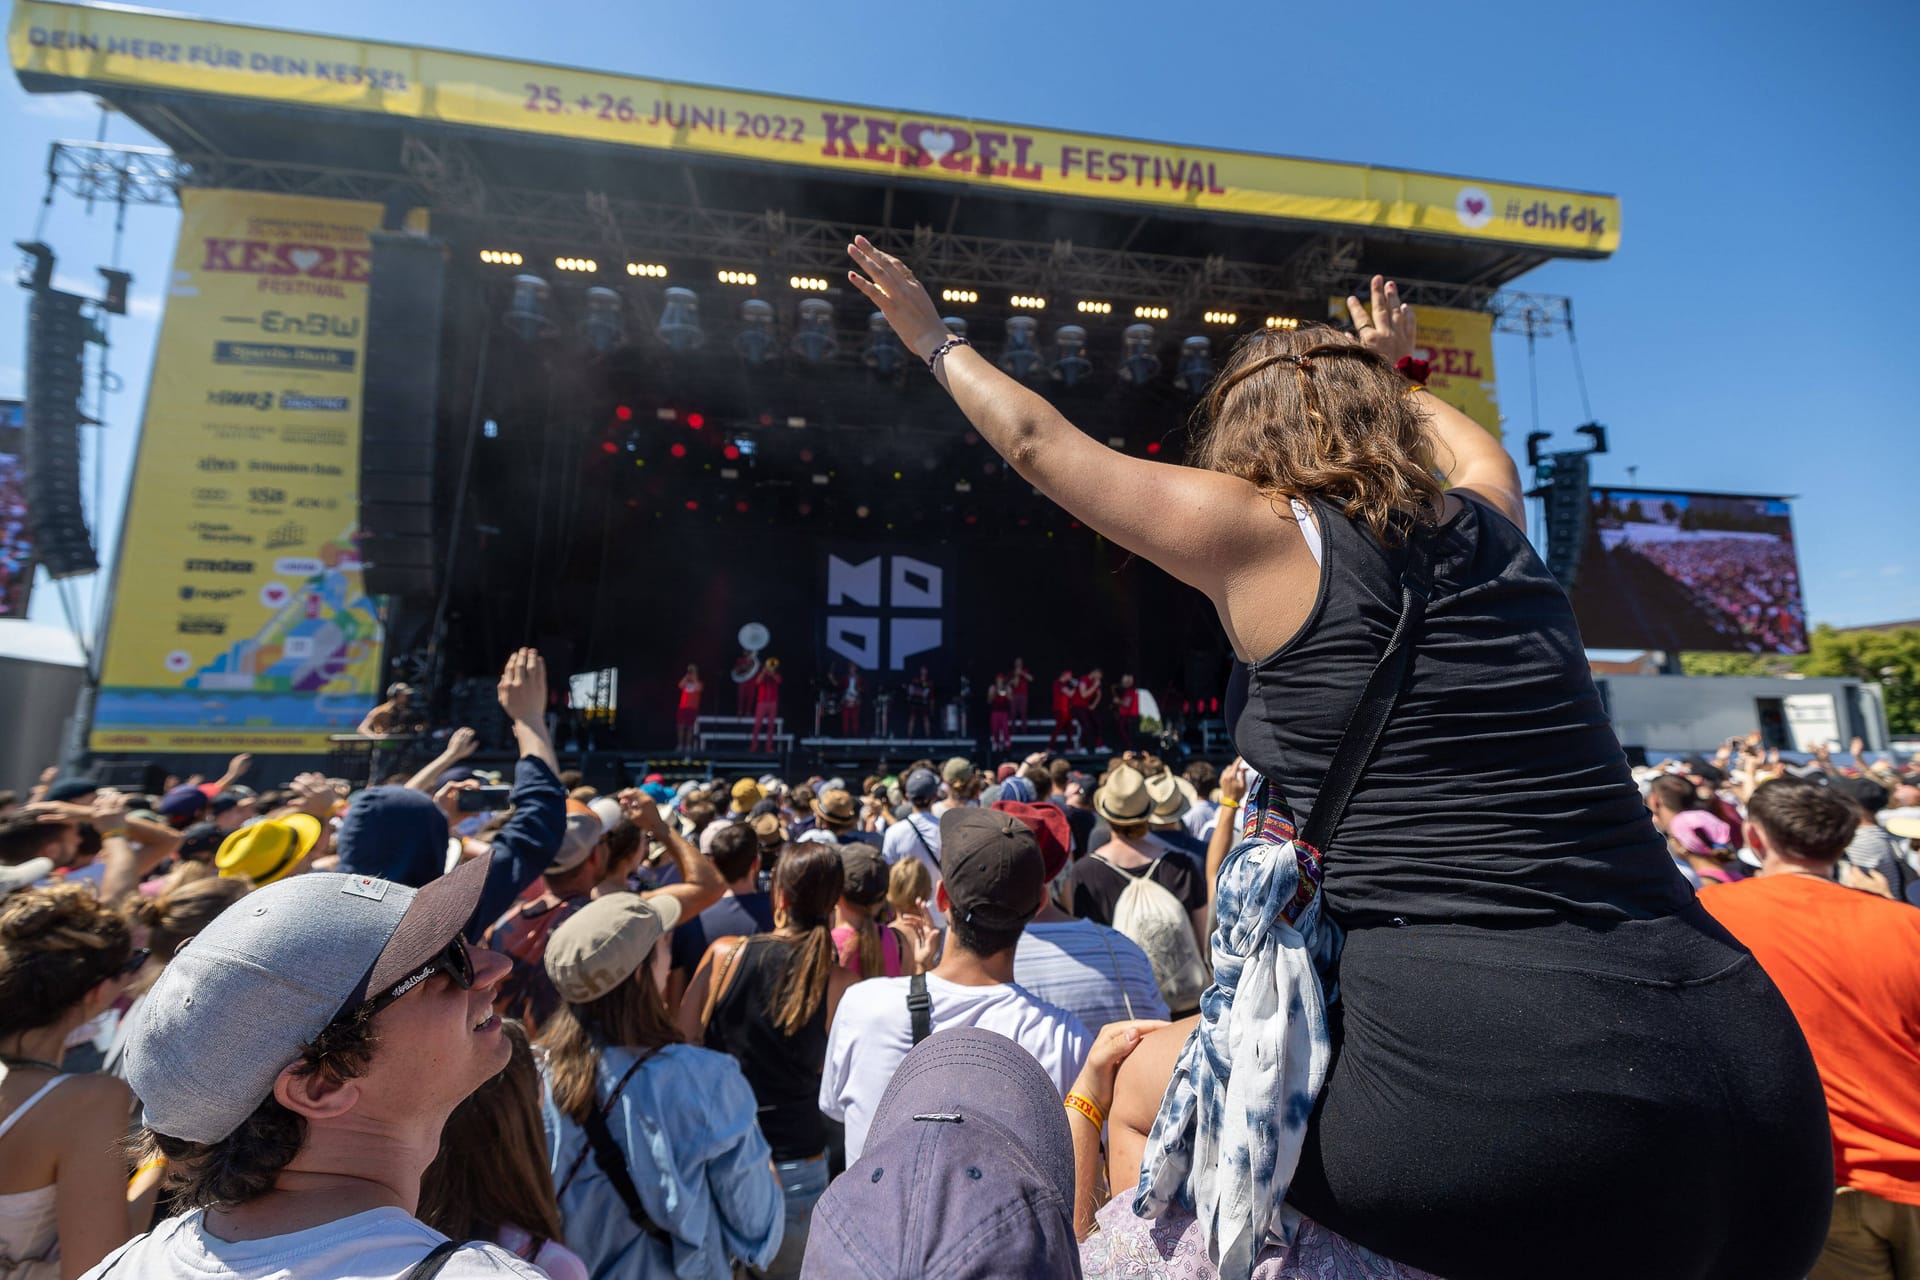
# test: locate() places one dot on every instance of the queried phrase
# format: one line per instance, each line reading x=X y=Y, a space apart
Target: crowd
x=1496 y=1008
x=16 y=543
x=1749 y=586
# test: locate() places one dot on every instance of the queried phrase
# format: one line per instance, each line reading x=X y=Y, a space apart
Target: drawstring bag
x=1234 y=1118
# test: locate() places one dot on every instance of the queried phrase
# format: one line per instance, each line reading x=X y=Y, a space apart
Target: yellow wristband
x=1086 y=1107
x=113 y=833
x=1229 y=804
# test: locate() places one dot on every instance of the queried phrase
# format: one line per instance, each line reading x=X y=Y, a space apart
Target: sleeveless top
x=1499 y=795
x=29 y=1231
x=783 y=1071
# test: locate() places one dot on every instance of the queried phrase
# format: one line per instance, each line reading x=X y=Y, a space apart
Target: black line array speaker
x=143 y=776
x=398 y=414
x=56 y=348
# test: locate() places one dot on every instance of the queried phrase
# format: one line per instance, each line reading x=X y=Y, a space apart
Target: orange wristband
x=1086 y=1107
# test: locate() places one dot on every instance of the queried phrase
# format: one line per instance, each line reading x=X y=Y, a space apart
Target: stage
x=593 y=381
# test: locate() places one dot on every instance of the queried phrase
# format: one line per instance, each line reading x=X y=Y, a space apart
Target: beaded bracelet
x=1086 y=1107
x=939 y=352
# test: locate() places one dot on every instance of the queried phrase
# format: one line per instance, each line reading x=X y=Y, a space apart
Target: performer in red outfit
x=1000 y=714
x=1088 y=697
x=1062 y=709
x=766 y=704
x=746 y=675
x=1019 y=682
x=687 y=718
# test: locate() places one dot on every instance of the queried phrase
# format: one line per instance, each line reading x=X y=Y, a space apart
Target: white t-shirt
x=918 y=835
x=380 y=1244
x=873 y=1032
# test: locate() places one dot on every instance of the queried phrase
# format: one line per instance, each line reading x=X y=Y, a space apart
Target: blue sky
x=1755 y=331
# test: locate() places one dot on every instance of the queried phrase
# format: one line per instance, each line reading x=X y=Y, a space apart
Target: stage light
x=490 y=429
x=959 y=295
x=963 y=486
x=677 y=449
x=1196 y=363
x=500 y=257
x=731 y=453
x=1282 y=322
x=693 y=504
x=883 y=353
x=1022 y=353
x=756 y=340
x=813 y=338
x=1138 y=363
x=1153 y=446
x=862 y=512
x=576 y=264
x=1029 y=301
x=1149 y=313
x=1070 y=363
x=739 y=277
x=527 y=312
x=608 y=446
x=695 y=421
x=679 y=325
x=1221 y=317
x=1090 y=308
x=740 y=506
x=623 y=412
x=820 y=479
x=651 y=270
x=807 y=282
x=796 y=422
x=666 y=413
x=605 y=321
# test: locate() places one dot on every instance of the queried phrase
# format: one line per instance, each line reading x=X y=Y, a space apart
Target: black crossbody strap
x=612 y=1162
x=431 y=1265
x=919 y=1007
x=1369 y=717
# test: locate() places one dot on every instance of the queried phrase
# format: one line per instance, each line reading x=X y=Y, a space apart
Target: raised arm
x=1200 y=526
x=461 y=744
x=523 y=696
x=701 y=885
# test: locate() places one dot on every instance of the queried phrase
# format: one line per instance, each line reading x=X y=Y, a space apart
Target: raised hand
x=462 y=743
x=902 y=299
x=448 y=798
x=1386 y=325
x=523 y=687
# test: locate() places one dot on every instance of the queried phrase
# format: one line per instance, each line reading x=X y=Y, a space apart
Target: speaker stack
x=56 y=344
x=397 y=421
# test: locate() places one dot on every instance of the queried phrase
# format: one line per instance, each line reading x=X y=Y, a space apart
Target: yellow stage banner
x=239 y=621
x=91 y=47
x=1459 y=346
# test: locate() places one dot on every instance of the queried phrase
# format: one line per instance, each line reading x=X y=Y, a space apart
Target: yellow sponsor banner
x=94 y=47
x=1459 y=347
x=239 y=620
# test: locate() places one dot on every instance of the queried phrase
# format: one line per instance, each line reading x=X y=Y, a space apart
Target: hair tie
x=1305 y=363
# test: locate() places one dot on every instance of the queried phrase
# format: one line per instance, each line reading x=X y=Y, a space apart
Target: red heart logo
x=1475 y=206
x=276 y=595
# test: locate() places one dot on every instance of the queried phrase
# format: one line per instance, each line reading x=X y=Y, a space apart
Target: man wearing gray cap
x=993 y=883
x=297 y=1062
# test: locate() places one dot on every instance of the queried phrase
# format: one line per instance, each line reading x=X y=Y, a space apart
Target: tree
x=1890 y=659
x=1735 y=664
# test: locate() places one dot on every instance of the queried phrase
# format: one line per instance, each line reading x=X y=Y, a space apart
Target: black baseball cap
x=991 y=865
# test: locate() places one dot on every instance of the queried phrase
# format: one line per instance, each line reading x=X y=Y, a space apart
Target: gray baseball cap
x=967 y=1173
x=237 y=1004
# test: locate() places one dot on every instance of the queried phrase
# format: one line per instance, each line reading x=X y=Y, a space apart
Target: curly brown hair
x=57 y=942
x=1313 y=412
x=243 y=1165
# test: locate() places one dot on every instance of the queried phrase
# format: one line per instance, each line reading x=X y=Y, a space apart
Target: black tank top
x=783 y=1071
x=1499 y=794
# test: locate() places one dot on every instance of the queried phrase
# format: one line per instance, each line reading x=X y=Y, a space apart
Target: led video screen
x=16 y=544
x=1669 y=570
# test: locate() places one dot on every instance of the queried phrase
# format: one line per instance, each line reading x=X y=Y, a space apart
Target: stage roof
x=247 y=106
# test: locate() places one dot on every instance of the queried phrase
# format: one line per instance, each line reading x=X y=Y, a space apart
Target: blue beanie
x=393 y=833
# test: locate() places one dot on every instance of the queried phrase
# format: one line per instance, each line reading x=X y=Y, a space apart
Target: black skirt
x=1569 y=1101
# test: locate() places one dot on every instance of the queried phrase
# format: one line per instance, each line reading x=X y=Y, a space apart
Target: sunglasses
x=454 y=960
x=135 y=960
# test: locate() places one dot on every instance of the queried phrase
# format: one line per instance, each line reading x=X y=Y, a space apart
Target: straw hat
x=1125 y=797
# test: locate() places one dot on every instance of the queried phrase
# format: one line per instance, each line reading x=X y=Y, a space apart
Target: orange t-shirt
x=1848 y=963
